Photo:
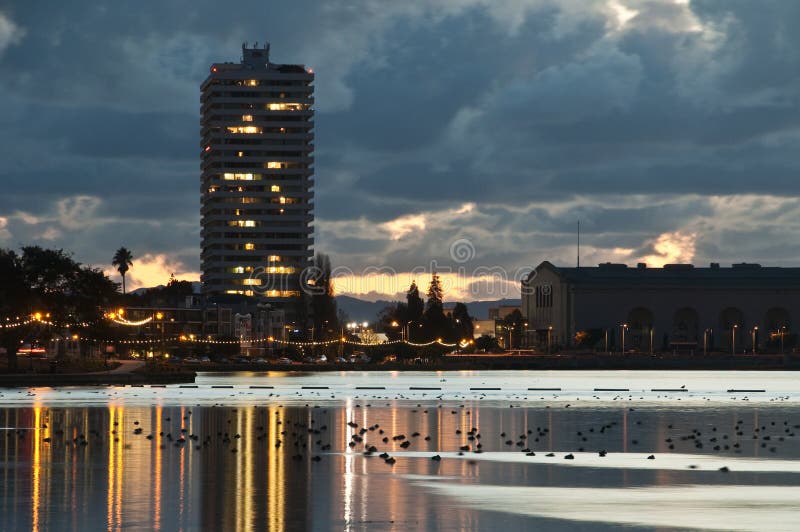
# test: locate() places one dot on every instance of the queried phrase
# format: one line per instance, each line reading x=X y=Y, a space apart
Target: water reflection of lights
x=244 y=469
x=182 y=470
x=364 y=476
x=157 y=476
x=36 y=472
x=276 y=495
x=348 y=469
x=114 y=496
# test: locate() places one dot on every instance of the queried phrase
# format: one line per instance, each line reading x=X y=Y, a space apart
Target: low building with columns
x=677 y=307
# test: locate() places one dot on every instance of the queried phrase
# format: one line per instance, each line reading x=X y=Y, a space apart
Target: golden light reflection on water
x=115 y=468
x=348 y=468
x=39 y=438
x=159 y=485
x=276 y=474
x=156 y=489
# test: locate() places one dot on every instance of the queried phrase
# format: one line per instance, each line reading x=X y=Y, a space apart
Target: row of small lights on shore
x=38 y=317
x=191 y=339
x=118 y=318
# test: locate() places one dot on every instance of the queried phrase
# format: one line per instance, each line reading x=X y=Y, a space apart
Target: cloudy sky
x=468 y=134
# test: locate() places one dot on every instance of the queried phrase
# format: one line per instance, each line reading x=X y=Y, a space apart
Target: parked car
x=284 y=360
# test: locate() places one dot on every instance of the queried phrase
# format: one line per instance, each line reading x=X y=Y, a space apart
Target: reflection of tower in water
x=250 y=483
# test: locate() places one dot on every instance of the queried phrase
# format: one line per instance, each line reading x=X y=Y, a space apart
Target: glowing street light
x=624 y=328
x=782 y=331
x=733 y=339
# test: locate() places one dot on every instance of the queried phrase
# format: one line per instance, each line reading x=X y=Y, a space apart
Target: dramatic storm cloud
x=669 y=128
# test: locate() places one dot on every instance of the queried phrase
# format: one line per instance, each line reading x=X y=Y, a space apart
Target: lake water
x=276 y=451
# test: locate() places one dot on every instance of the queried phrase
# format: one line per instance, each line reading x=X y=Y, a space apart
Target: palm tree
x=123 y=260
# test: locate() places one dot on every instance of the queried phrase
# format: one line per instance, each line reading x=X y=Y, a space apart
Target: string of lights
x=38 y=317
x=189 y=339
x=15 y=324
x=123 y=321
x=119 y=319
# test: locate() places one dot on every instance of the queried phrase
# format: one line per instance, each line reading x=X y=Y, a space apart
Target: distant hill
x=196 y=288
x=359 y=310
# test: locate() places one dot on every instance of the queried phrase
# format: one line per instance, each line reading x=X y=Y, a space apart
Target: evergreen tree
x=435 y=323
x=323 y=304
x=435 y=294
x=414 y=304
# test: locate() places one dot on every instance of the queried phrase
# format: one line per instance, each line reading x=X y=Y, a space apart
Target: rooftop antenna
x=579 y=244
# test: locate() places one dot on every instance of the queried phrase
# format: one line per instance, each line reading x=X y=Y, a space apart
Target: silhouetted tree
x=123 y=260
x=50 y=282
x=435 y=323
x=462 y=325
x=323 y=304
x=486 y=343
x=392 y=319
x=514 y=328
x=414 y=304
x=435 y=293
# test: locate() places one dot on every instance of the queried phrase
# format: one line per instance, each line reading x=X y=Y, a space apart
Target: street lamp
x=782 y=330
x=624 y=328
x=395 y=325
x=549 y=332
x=160 y=317
x=753 y=333
x=733 y=339
x=705 y=340
x=408 y=329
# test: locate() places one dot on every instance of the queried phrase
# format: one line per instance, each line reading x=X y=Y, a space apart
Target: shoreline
x=568 y=362
x=186 y=374
x=36 y=380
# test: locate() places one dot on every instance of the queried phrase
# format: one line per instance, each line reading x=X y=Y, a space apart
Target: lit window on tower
x=228 y=176
x=247 y=118
x=275 y=188
x=285 y=106
x=245 y=129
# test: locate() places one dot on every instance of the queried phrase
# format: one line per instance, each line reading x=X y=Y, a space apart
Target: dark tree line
x=316 y=311
x=421 y=321
x=50 y=283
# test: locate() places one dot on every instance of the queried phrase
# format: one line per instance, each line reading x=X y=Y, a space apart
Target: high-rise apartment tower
x=257 y=137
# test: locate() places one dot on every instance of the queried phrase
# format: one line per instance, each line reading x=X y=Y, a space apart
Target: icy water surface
x=276 y=451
